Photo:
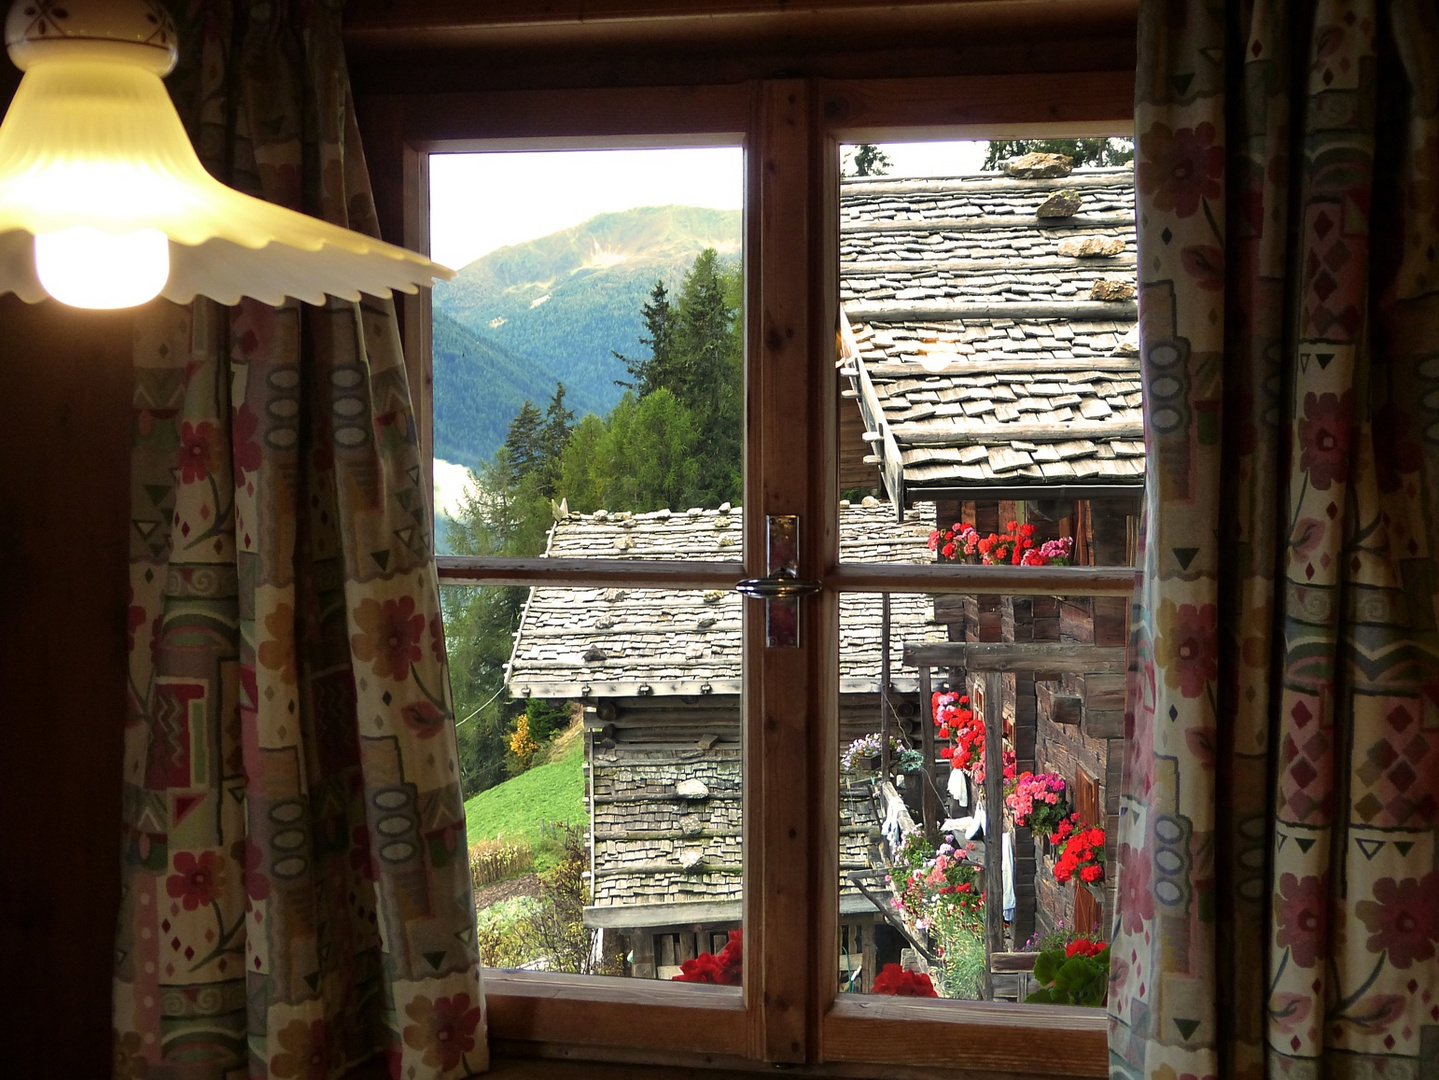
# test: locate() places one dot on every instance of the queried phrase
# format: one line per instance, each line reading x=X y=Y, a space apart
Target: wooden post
x=884 y=756
x=994 y=815
x=932 y=806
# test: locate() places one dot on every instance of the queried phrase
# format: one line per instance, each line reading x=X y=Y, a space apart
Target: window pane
x=987 y=343
x=631 y=697
x=915 y=833
x=589 y=356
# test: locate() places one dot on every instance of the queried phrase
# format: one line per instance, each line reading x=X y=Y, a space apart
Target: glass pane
x=915 y=836
x=589 y=356
x=617 y=730
x=988 y=347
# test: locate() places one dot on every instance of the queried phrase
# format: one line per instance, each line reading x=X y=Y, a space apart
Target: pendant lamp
x=104 y=203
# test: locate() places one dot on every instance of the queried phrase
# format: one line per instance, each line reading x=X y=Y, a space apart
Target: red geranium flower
x=1324 y=438
x=725 y=968
x=1084 y=947
x=893 y=979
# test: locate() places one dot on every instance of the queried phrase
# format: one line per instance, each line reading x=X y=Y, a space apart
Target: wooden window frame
x=788 y=1011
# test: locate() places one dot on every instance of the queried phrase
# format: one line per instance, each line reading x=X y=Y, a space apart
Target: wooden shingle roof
x=583 y=643
x=976 y=338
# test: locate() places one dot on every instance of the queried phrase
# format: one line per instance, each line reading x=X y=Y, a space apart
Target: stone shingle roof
x=620 y=642
x=971 y=339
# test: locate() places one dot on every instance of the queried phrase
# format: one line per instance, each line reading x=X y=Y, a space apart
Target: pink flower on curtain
x=197 y=882
x=304 y=1051
x=277 y=652
x=134 y=619
x=245 y=450
x=1396 y=450
x=362 y=860
x=1289 y=1011
x=257 y=885
x=1324 y=438
x=424 y=719
x=444 y=1028
x=200 y=454
x=1136 y=903
x=1180 y=168
x=1403 y=918
x=1300 y=917
x=129 y=1059
x=389 y=636
x=437 y=636
x=1205 y=264
x=1188 y=646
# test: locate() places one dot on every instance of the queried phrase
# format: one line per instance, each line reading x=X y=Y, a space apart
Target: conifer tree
x=650 y=374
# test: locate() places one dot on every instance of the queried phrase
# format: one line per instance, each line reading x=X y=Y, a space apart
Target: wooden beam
x=933 y=814
x=947 y=310
x=999 y=657
x=1119 y=178
x=1005 y=366
x=1044 y=264
x=994 y=818
x=990 y=223
x=1010 y=962
x=932 y=435
x=588 y=573
x=966 y=578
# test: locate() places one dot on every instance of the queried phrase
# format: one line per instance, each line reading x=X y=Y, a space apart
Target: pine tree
x=523 y=441
x=649 y=375
x=552 y=438
x=869 y=160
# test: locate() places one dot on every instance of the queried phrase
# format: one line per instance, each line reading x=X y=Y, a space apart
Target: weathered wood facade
x=658 y=675
x=988 y=340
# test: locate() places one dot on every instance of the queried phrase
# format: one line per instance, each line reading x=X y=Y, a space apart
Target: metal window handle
x=781 y=585
x=782 y=589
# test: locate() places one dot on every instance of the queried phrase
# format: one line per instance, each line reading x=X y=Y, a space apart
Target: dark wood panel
x=64 y=516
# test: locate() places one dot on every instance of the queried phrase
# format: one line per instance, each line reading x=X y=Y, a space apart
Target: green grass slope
x=554 y=792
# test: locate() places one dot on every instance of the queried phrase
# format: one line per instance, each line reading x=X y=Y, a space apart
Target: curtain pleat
x=296 y=896
x=1279 y=831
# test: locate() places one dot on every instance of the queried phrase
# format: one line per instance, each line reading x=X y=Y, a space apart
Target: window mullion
x=780 y=691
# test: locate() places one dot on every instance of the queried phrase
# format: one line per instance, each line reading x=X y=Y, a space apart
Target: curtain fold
x=1279 y=836
x=296 y=897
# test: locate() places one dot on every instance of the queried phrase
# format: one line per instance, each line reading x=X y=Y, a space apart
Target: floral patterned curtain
x=1279 y=889
x=296 y=897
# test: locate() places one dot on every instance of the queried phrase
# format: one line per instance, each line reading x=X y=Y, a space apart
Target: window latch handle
x=781 y=585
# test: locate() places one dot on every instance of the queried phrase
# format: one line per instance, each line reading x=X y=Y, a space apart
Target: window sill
x=1061 y=1041
x=602 y=1012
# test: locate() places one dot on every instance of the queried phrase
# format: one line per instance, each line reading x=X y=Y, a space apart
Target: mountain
x=480 y=386
x=518 y=319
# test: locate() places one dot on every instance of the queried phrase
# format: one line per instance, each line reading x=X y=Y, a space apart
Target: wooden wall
x=64 y=406
x=64 y=508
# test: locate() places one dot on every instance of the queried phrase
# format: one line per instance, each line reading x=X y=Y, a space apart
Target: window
x=789 y=1008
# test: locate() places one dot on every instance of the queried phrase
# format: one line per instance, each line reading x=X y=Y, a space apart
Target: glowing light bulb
x=87 y=268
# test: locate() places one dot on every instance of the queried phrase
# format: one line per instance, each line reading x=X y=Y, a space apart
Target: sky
x=531 y=194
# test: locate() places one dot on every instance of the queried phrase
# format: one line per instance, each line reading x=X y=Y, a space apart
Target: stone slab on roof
x=623 y=642
x=1049 y=398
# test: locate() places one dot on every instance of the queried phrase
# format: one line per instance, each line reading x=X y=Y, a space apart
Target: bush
x=496 y=860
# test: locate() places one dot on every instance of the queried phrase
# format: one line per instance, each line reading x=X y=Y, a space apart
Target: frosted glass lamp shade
x=94 y=162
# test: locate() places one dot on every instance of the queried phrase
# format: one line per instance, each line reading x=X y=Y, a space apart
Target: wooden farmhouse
x=658 y=675
x=990 y=370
